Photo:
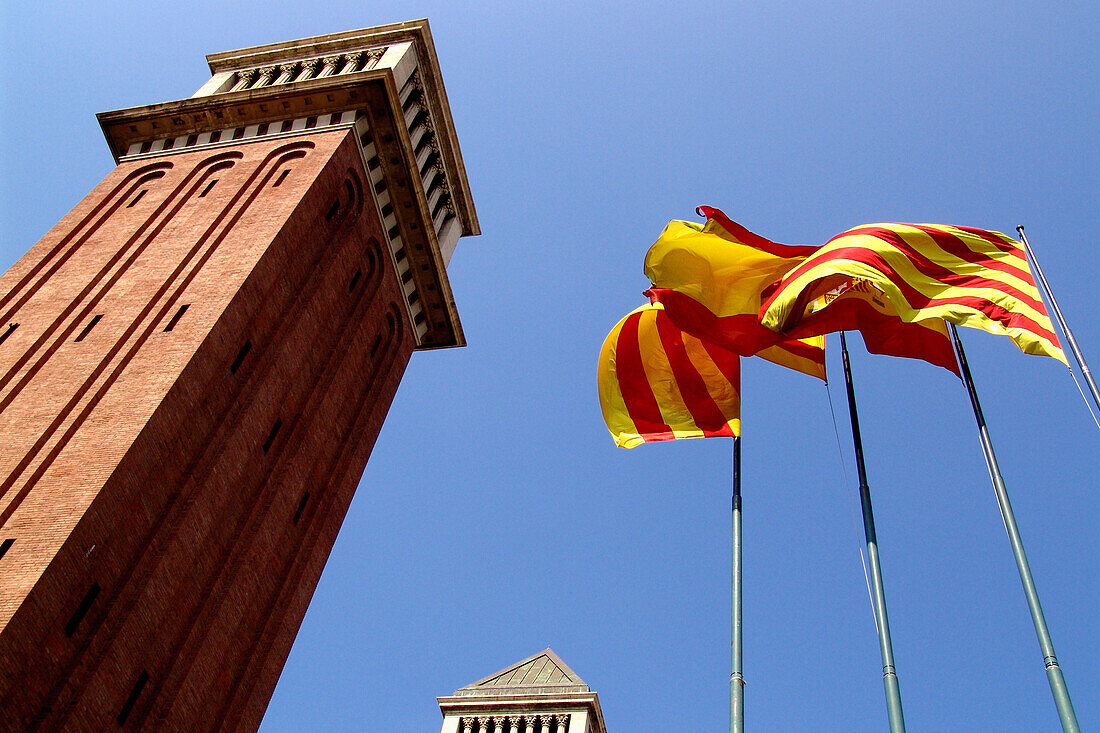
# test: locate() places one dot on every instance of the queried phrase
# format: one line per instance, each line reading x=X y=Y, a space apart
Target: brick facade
x=206 y=349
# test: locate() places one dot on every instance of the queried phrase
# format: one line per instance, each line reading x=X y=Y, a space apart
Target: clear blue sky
x=496 y=517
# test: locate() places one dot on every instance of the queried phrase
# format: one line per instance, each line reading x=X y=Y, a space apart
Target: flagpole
x=889 y=673
x=737 y=680
x=1061 y=319
x=1054 y=672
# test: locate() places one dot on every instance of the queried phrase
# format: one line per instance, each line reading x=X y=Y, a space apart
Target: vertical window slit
x=281 y=178
x=271 y=436
x=132 y=698
x=136 y=198
x=333 y=211
x=176 y=318
x=82 y=609
x=301 y=507
x=6 y=544
x=8 y=331
x=376 y=344
x=89 y=327
x=354 y=280
x=240 y=357
x=208 y=187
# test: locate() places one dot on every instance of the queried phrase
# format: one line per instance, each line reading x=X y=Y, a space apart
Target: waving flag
x=926 y=272
x=710 y=277
x=658 y=383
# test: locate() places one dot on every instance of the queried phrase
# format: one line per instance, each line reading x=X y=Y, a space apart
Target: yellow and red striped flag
x=659 y=383
x=926 y=272
x=710 y=278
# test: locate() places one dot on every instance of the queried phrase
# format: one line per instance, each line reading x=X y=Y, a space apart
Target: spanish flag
x=659 y=383
x=918 y=274
x=710 y=278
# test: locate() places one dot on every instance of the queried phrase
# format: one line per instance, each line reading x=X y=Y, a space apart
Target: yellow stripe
x=658 y=373
x=923 y=243
x=963 y=315
x=726 y=395
x=722 y=274
x=903 y=266
x=615 y=415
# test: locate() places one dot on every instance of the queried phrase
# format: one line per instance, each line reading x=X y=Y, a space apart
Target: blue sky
x=496 y=517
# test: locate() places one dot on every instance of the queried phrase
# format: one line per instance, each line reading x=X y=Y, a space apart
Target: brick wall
x=173 y=494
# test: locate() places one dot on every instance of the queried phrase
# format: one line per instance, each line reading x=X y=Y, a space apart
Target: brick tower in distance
x=194 y=366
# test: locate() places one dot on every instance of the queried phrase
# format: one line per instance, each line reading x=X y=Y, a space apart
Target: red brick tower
x=194 y=366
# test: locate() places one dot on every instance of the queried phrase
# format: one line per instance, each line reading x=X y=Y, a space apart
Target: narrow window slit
x=89 y=327
x=132 y=698
x=333 y=211
x=406 y=277
x=82 y=609
x=420 y=318
x=240 y=357
x=377 y=343
x=301 y=507
x=354 y=280
x=281 y=178
x=176 y=318
x=208 y=187
x=6 y=545
x=271 y=436
x=8 y=331
x=136 y=198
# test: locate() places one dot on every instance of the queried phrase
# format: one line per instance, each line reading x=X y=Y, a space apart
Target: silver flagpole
x=1054 y=672
x=1061 y=319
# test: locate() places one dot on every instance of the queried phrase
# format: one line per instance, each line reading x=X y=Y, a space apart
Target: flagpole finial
x=1020 y=229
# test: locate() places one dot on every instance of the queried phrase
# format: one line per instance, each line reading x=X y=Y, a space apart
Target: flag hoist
x=670 y=369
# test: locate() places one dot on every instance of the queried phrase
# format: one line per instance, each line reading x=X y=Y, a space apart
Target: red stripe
x=922 y=264
x=742 y=333
x=633 y=384
x=882 y=334
x=727 y=362
x=803 y=351
x=918 y=301
x=743 y=235
x=1007 y=244
x=705 y=413
x=948 y=243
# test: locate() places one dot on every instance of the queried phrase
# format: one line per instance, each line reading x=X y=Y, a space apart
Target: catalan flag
x=659 y=383
x=710 y=277
x=927 y=272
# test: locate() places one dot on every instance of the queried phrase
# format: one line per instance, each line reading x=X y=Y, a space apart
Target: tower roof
x=542 y=673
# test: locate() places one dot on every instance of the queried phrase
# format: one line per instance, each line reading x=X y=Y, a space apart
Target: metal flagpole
x=889 y=673
x=1061 y=319
x=737 y=680
x=1054 y=672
